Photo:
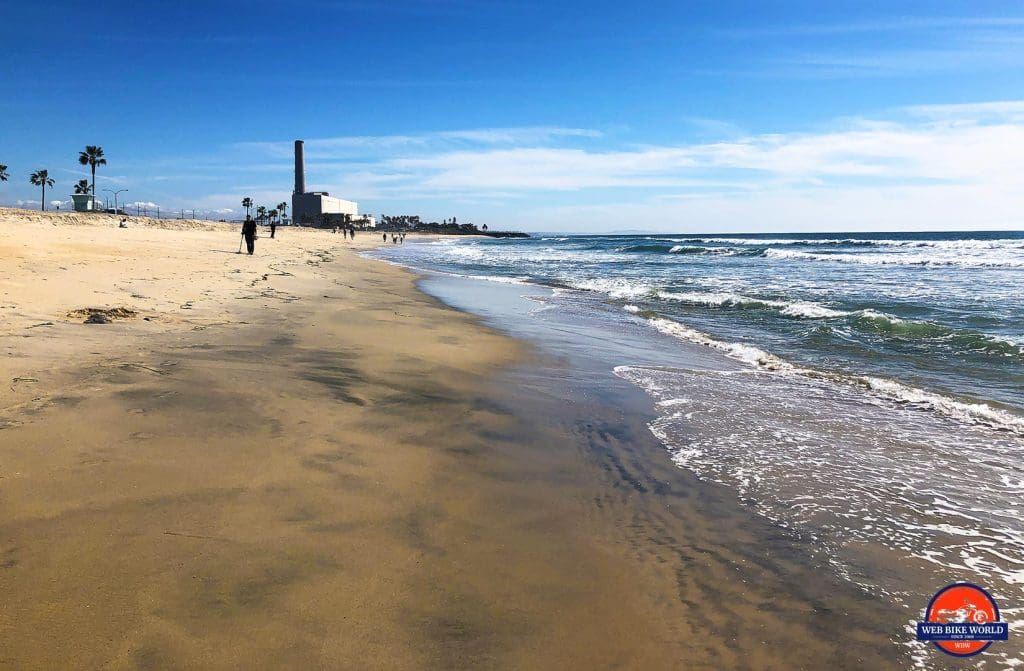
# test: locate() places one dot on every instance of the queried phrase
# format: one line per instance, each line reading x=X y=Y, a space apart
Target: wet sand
x=298 y=460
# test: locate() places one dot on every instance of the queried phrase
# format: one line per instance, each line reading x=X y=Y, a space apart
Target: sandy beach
x=297 y=460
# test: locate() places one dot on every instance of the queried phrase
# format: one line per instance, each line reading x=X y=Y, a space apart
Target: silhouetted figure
x=385 y=237
x=352 y=232
x=273 y=228
x=249 y=233
x=344 y=232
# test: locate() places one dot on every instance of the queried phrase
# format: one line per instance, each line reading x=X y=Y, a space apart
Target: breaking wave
x=963 y=411
x=1002 y=243
x=866 y=321
x=899 y=259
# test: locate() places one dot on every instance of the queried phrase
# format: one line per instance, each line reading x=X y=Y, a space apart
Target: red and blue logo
x=962 y=620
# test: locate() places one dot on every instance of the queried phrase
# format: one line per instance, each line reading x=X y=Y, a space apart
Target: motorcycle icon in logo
x=962 y=620
x=968 y=612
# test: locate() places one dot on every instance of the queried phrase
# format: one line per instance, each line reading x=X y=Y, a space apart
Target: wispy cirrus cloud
x=903 y=24
x=866 y=49
x=345 y=147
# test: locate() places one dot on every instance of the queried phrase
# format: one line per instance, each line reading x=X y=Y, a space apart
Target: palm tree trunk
x=94 y=179
x=42 y=203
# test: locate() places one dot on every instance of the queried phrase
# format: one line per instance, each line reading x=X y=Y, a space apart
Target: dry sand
x=298 y=461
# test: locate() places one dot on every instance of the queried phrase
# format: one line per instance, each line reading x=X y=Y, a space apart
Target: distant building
x=317 y=208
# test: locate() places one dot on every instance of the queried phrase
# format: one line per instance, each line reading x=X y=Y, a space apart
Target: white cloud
x=950 y=166
x=1009 y=111
x=946 y=146
x=971 y=207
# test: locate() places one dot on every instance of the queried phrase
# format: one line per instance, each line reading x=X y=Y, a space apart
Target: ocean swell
x=967 y=412
x=901 y=259
x=1003 y=243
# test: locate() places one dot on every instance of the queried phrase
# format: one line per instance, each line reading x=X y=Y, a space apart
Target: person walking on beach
x=385 y=237
x=352 y=232
x=249 y=233
x=273 y=228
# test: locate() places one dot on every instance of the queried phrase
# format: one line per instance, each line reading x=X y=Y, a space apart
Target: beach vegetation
x=42 y=179
x=3 y=173
x=82 y=186
x=92 y=157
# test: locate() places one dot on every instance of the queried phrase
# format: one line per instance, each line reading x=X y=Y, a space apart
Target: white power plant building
x=317 y=208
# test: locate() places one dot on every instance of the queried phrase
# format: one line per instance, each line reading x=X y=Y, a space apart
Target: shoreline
x=812 y=457
x=317 y=464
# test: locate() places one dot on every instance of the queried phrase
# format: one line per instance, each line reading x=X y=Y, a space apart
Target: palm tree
x=247 y=203
x=92 y=157
x=42 y=178
x=282 y=208
x=82 y=186
x=3 y=173
x=260 y=213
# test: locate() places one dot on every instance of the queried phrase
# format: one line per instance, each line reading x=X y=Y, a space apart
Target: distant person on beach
x=249 y=233
x=385 y=237
x=352 y=232
x=273 y=228
x=124 y=223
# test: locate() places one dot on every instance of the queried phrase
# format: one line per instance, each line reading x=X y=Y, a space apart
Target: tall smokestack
x=300 y=168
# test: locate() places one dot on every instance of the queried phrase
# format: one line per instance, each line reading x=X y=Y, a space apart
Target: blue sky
x=703 y=116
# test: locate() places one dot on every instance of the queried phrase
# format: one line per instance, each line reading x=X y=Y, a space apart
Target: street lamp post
x=115 y=197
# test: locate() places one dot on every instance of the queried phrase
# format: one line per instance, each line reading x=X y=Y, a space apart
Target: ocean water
x=871 y=389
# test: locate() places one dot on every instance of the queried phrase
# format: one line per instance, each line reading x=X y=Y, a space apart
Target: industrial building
x=317 y=208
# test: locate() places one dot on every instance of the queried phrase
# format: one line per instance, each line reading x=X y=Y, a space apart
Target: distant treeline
x=465 y=229
x=446 y=227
